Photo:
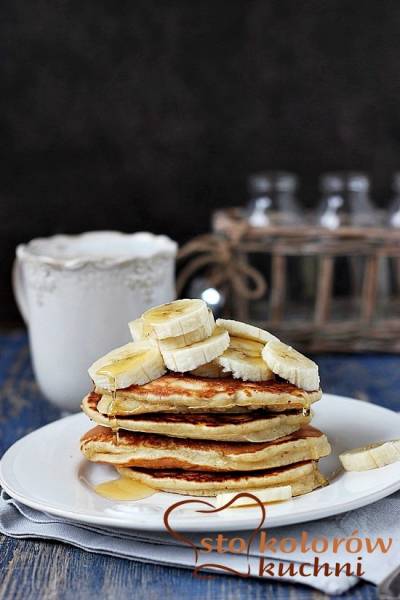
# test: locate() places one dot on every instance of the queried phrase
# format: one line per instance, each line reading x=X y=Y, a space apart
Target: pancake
x=253 y=426
x=189 y=393
x=100 y=444
x=304 y=477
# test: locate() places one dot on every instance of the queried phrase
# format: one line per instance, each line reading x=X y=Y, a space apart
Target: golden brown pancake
x=130 y=449
x=303 y=477
x=253 y=426
x=188 y=393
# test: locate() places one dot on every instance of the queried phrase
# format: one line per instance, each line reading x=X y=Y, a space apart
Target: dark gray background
x=148 y=115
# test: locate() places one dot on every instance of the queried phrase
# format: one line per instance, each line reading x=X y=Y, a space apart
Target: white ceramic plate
x=46 y=471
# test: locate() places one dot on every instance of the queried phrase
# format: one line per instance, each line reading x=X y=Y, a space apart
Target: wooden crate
x=367 y=330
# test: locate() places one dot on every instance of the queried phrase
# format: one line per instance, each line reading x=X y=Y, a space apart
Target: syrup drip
x=115 y=430
x=124 y=489
x=114 y=426
x=111 y=371
x=114 y=422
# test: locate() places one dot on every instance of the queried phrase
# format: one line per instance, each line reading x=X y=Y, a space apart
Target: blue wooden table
x=33 y=569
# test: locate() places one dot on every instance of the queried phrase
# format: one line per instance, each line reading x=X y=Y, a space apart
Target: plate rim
x=156 y=523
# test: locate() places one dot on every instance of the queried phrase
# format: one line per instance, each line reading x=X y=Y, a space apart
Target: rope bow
x=226 y=266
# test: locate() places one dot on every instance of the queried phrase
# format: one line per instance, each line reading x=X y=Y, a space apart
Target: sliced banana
x=195 y=355
x=135 y=363
x=187 y=339
x=371 y=456
x=140 y=330
x=177 y=318
x=290 y=364
x=211 y=370
x=243 y=359
x=243 y=330
x=272 y=494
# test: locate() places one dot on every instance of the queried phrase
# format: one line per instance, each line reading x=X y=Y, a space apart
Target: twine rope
x=226 y=266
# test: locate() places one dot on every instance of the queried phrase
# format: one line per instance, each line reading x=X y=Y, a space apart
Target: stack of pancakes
x=201 y=436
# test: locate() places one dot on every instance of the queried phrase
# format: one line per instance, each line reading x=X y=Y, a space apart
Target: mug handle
x=18 y=286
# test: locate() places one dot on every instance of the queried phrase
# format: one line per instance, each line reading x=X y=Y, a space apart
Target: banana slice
x=272 y=494
x=187 y=339
x=210 y=370
x=243 y=330
x=140 y=330
x=371 y=456
x=289 y=364
x=177 y=318
x=135 y=363
x=200 y=353
x=243 y=360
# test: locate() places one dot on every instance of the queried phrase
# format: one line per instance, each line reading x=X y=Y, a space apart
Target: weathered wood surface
x=31 y=570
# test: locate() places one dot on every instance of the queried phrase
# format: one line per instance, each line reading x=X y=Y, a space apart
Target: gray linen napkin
x=379 y=520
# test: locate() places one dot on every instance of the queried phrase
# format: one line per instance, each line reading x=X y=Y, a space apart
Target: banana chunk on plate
x=134 y=363
x=193 y=356
x=243 y=359
x=272 y=494
x=177 y=318
x=372 y=456
x=291 y=365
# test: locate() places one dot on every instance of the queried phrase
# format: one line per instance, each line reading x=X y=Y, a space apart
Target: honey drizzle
x=114 y=420
x=124 y=488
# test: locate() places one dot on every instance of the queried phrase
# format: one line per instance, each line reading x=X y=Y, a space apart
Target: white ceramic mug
x=77 y=294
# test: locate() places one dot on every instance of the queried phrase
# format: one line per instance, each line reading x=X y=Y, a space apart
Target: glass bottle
x=273 y=199
x=333 y=213
x=394 y=208
x=363 y=213
x=393 y=221
x=346 y=201
x=333 y=210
